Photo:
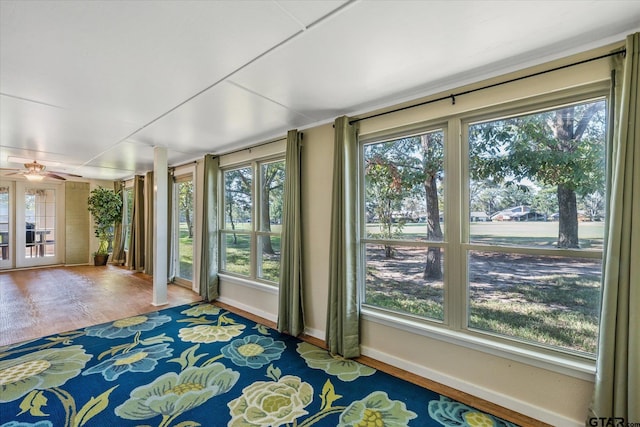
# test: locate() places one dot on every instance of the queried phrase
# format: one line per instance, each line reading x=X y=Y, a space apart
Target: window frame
x=454 y=328
x=255 y=232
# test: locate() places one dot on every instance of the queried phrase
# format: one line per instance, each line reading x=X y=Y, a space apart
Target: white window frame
x=254 y=233
x=453 y=328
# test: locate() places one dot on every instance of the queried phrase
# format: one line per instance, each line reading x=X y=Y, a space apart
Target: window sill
x=272 y=289
x=559 y=362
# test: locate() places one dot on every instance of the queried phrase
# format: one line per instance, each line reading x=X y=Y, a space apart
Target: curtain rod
x=453 y=96
x=251 y=147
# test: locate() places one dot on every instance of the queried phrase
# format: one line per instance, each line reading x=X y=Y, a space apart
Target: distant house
x=479 y=217
x=518 y=213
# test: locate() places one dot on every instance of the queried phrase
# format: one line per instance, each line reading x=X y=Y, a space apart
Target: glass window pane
x=184 y=249
x=128 y=200
x=40 y=231
x=539 y=180
x=271 y=189
x=544 y=299
x=269 y=258
x=406 y=279
x=4 y=223
x=237 y=199
x=404 y=188
x=236 y=253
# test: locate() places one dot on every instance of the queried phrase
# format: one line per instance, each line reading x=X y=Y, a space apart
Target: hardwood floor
x=39 y=302
x=45 y=301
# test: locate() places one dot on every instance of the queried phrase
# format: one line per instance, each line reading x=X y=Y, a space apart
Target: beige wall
x=530 y=388
x=76 y=222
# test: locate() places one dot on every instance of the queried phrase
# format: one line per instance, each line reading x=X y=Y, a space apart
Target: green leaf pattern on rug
x=450 y=413
x=345 y=369
x=376 y=410
x=224 y=330
x=172 y=394
x=40 y=370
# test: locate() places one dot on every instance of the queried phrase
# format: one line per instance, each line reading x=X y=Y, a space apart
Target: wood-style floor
x=40 y=302
x=44 y=301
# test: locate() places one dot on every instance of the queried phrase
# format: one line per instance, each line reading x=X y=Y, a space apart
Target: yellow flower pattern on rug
x=198 y=365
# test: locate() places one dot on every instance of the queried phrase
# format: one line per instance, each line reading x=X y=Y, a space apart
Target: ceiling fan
x=35 y=171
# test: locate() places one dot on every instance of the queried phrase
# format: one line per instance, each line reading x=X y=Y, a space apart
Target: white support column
x=160 y=221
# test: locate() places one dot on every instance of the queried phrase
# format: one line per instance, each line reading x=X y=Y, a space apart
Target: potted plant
x=106 y=208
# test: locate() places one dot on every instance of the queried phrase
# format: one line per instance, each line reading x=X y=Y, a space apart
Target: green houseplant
x=105 y=207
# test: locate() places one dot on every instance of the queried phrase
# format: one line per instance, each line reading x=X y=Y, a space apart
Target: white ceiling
x=96 y=85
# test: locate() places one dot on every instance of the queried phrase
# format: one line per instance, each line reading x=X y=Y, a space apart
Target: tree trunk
x=433 y=267
x=233 y=225
x=187 y=215
x=265 y=221
x=568 y=218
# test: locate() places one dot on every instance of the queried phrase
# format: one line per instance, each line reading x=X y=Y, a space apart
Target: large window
x=250 y=232
x=520 y=224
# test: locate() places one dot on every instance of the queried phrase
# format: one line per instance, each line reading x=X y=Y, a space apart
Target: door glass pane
x=184 y=248
x=4 y=223
x=40 y=218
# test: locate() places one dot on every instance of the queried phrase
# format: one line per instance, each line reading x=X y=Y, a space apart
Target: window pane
x=271 y=188
x=128 y=200
x=539 y=178
x=236 y=253
x=548 y=300
x=237 y=199
x=269 y=258
x=184 y=247
x=4 y=223
x=396 y=279
x=40 y=230
x=404 y=188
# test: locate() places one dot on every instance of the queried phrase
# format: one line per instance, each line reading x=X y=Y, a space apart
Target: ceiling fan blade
x=53 y=175
x=10 y=169
x=67 y=174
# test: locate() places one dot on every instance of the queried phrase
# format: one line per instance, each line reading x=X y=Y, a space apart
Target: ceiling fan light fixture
x=34 y=176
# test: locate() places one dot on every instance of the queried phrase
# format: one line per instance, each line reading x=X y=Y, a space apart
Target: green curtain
x=290 y=309
x=617 y=386
x=170 y=250
x=343 y=317
x=209 y=257
x=119 y=232
x=135 y=258
x=149 y=195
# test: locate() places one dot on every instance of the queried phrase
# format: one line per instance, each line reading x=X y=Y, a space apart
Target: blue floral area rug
x=198 y=365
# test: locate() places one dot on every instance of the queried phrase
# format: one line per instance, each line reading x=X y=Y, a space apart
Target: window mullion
x=455 y=285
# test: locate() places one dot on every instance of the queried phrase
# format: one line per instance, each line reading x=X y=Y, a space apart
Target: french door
x=31 y=224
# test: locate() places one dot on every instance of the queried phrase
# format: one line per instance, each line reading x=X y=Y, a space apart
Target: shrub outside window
x=251 y=222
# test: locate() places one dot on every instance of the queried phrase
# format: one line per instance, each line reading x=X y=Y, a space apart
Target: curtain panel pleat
x=617 y=384
x=135 y=260
x=148 y=223
x=343 y=317
x=119 y=231
x=290 y=309
x=209 y=265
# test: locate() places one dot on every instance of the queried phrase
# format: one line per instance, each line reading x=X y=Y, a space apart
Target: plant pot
x=100 y=259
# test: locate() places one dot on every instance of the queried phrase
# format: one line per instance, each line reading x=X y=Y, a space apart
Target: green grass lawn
x=548 y=300
x=237 y=257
